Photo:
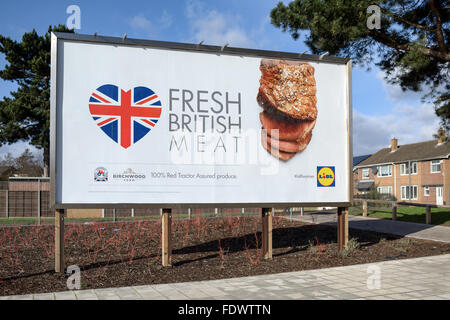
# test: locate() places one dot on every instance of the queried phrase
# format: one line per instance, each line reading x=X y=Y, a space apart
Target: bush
x=373 y=194
x=352 y=246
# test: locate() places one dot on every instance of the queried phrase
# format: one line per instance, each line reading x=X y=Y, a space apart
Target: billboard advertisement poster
x=151 y=124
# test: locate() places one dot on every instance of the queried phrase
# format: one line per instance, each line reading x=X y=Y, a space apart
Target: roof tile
x=414 y=151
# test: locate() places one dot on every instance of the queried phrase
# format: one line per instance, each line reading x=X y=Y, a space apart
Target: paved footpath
x=425 y=278
x=401 y=228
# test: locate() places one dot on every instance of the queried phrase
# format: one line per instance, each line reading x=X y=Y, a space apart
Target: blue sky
x=380 y=111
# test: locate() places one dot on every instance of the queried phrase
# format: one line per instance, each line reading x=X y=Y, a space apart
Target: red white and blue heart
x=125 y=116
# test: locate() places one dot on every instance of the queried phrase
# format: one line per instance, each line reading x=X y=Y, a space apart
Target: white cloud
x=409 y=121
x=166 y=20
x=406 y=122
x=16 y=149
x=395 y=92
x=215 y=27
x=141 y=22
x=151 y=27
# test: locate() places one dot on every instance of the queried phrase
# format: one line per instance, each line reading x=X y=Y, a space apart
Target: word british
x=206 y=114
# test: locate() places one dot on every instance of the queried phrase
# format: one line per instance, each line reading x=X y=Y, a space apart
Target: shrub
x=352 y=246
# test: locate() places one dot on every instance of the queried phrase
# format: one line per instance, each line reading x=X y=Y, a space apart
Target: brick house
x=417 y=172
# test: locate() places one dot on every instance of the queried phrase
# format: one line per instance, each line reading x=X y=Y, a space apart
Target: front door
x=439 y=196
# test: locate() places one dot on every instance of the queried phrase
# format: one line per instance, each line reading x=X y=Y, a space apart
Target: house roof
x=358 y=159
x=414 y=151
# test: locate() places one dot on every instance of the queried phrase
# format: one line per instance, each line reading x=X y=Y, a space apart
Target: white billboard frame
x=55 y=105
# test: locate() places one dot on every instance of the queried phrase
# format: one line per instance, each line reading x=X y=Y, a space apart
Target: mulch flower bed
x=129 y=253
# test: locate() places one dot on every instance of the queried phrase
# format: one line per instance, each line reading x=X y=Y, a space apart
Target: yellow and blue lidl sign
x=326 y=177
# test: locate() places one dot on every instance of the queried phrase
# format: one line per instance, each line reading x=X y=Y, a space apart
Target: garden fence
x=21 y=204
x=27 y=204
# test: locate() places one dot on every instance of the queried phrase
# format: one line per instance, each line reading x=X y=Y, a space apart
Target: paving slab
x=65 y=295
x=346 y=283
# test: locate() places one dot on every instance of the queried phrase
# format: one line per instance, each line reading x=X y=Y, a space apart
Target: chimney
x=394 y=145
x=441 y=136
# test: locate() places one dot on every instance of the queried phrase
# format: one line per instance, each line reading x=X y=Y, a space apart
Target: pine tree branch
x=438 y=31
x=388 y=41
x=401 y=19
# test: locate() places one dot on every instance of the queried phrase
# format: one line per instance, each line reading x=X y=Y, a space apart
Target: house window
x=365 y=173
x=435 y=166
x=404 y=168
x=385 y=171
x=385 y=190
x=408 y=193
x=426 y=191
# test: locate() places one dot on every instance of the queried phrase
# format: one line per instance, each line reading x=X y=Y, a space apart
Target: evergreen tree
x=411 y=45
x=26 y=114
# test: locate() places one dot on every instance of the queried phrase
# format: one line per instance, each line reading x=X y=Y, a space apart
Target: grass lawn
x=439 y=216
x=50 y=220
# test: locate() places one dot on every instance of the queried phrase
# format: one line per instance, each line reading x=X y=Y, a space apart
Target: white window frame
x=379 y=171
x=426 y=191
x=367 y=171
x=403 y=192
x=389 y=188
x=404 y=170
x=434 y=162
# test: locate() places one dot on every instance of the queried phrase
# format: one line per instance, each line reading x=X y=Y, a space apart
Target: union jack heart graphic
x=125 y=116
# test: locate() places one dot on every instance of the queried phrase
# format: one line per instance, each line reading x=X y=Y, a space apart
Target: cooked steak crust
x=287 y=93
x=289 y=87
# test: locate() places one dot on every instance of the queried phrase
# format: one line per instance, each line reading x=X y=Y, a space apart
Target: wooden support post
x=428 y=215
x=166 y=237
x=342 y=228
x=39 y=202
x=7 y=203
x=394 y=211
x=59 y=240
x=266 y=216
x=364 y=205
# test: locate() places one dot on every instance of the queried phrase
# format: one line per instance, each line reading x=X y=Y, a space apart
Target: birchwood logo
x=128 y=175
x=101 y=174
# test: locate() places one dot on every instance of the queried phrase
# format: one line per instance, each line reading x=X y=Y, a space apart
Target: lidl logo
x=325 y=177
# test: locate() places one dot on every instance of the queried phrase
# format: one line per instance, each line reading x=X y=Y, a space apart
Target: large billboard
x=137 y=122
